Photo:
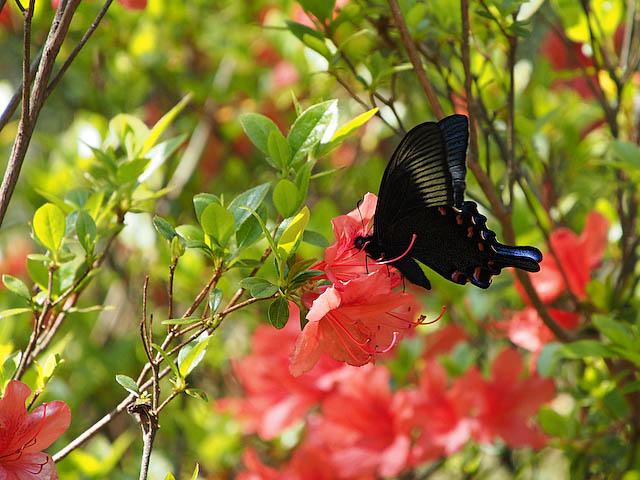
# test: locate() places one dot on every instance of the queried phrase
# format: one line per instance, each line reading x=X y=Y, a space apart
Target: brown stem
x=37 y=328
x=72 y=56
x=415 y=59
x=148 y=420
x=57 y=33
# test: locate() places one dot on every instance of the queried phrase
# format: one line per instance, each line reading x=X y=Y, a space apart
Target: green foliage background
x=227 y=55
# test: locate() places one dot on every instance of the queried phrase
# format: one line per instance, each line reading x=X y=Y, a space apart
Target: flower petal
x=307 y=351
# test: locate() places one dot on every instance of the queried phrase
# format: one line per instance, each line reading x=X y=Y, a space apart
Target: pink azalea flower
x=506 y=403
x=342 y=261
x=273 y=399
x=24 y=435
x=578 y=255
x=354 y=321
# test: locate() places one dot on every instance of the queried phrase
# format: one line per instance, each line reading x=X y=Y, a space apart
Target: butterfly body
x=421 y=213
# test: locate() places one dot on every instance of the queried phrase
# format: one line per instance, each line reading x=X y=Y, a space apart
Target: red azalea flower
x=443 y=415
x=568 y=57
x=354 y=321
x=527 y=330
x=342 y=261
x=577 y=256
x=274 y=399
x=309 y=462
x=24 y=435
x=505 y=404
x=364 y=427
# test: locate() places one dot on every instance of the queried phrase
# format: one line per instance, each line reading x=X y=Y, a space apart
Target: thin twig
x=76 y=50
x=415 y=59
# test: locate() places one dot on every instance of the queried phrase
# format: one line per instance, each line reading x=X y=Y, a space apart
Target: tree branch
x=412 y=52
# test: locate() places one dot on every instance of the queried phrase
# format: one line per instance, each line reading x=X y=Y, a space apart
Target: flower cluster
x=24 y=435
x=358 y=316
x=566 y=270
x=361 y=428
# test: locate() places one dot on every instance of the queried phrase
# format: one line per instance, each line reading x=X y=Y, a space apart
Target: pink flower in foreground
x=309 y=462
x=273 y=398
x=24 y=435
x=506 y=403
x=578 y=255
x=342 y=261
x=353 y=322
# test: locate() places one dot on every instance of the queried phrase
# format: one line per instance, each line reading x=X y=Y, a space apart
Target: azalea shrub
x=184 y=293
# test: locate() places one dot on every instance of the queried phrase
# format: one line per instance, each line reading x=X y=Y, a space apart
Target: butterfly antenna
x=360 y=213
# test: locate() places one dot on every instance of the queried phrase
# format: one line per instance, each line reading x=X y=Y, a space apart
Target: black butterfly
x=421 y=213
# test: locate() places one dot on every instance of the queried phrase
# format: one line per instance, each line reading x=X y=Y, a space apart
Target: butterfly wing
x=427 y=169
x=457 y=244
x=422 y=194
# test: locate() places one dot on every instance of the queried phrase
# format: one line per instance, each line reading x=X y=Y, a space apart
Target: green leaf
x=77 y=198
x=192 y=354
x=128 y=384
x=197 y=393
x=265 y=231
x=250 y=231
x=317 y=124
x=13 y=311
x=304 y=277
x=555 y=424
x=285 y=197
x=258 y=128
x=86 y=231
x=616 y=404
x=162 y=124
x=9 y=366
x=279 y=312
x=169 y=476
x=548 y=359
x=202 y=201
x=310 y=38
x=290 y=237
x=196 y=470
x=586 y=348
x=129 y=132
x=164 y=228
x=259 y=287
x=347 y=129
x=321 y=9
x=279 y=149
x=167 y=359
x=626 y=152
x=16 y=286
x=131 y=170
x=190 y=233
x=65 y=207
x=314 y=238
x=252 y=199
x=218 y=222
x=302 y=181
x=49 y=226
x=215 y=298
x=616 y=331
x=181 y=321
